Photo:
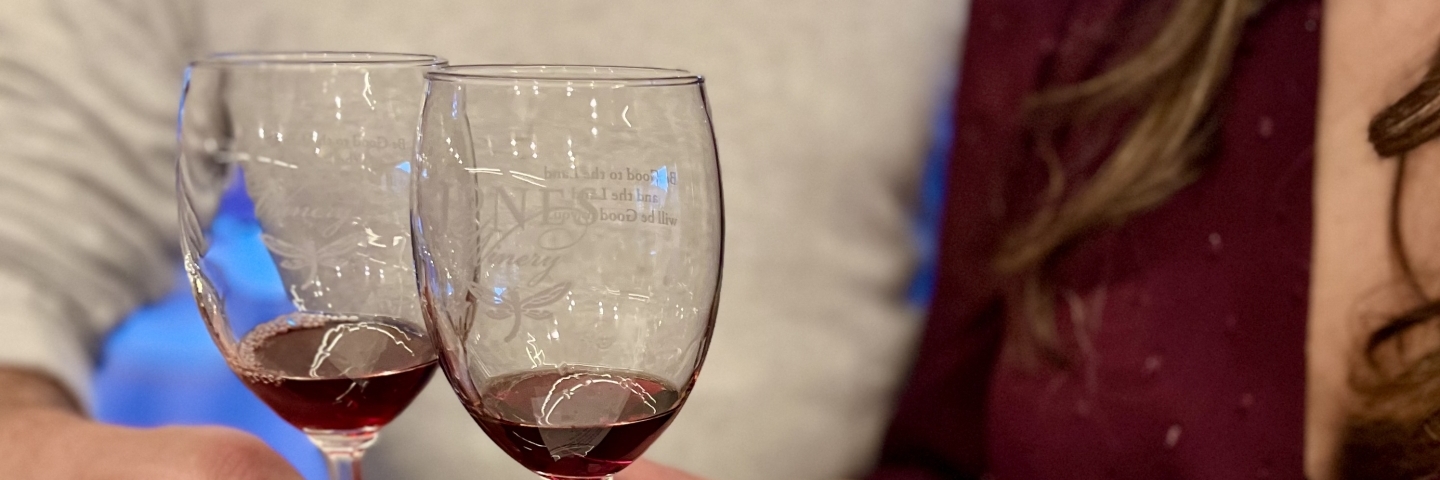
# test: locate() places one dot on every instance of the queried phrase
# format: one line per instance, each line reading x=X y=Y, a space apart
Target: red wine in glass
x=336 y=372
x=575 y=422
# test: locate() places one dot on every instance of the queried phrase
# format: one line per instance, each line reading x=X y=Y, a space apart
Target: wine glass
x=568 y=229
x=293 y=180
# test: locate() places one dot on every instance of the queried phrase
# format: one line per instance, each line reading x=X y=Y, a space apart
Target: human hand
x=41 y=438
x=643 y=470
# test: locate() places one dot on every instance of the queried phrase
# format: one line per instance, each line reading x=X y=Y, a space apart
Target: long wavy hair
x=1168 y=89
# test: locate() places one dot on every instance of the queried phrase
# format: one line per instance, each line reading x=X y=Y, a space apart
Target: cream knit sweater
x=821 y=110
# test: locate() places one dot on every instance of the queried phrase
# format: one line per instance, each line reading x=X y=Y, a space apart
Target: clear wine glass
x=568 y=229
x=293 y=180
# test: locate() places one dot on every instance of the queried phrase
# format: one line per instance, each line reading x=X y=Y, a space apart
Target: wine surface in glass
x=336 y=372
x=575 y=422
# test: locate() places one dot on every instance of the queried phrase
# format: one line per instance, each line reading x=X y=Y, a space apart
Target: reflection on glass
x=568 y=232
x=327 y=332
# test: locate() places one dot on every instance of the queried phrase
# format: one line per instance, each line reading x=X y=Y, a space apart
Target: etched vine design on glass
x=304 y=272
x=509 y=304
x=549 y=232
x=306 y=256
x=568 y=232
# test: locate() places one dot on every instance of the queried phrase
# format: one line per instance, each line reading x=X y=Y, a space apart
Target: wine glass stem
x=343 y=466
x=343 y=450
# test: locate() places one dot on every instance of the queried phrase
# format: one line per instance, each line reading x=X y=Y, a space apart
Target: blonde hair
x=1170 y=86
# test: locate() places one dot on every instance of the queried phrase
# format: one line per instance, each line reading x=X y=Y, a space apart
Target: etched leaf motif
x=504 y=306
x=539 y=315
x=308 y=257
x=510 y=305
x=547 y=296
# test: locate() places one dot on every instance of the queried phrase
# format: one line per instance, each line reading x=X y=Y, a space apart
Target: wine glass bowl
x=293 y=186
x=568 y=228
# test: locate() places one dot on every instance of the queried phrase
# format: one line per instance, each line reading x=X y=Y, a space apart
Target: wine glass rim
x=313 y=58
x=560 y=73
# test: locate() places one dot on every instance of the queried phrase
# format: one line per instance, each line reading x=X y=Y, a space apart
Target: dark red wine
x=336 y=372
x=575 y=422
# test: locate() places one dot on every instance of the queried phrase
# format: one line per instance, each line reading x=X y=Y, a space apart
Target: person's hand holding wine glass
x=567 y=236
